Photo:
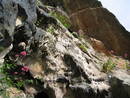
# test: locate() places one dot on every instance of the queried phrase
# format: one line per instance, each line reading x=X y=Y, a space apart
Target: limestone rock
x=120 y=79
x=13 y=92
x=64 y=66
x=4 y=53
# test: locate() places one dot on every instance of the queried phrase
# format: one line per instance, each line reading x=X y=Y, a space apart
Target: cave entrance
x=42 y=95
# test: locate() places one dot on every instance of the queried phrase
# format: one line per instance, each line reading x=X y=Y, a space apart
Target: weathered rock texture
x=66 y=66
x=98 y=22
x=120 y=79
x=10 y=11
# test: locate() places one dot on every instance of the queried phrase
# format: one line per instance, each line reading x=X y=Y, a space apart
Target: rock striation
x=97 y=22
x=64 y=66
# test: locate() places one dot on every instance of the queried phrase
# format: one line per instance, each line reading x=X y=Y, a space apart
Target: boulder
x=120 y=84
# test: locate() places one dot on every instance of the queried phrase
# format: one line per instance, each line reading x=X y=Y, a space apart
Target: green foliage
x=62 y=18
x=108 y=66
x=13 y=76
x=38 y=2
x=9 y=78
x=127 y=65
x=50 y=29
x=6 y=67
x=83 y=48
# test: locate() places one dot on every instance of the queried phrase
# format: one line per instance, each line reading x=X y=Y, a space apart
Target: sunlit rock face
x=98 y=22
x=59 y=64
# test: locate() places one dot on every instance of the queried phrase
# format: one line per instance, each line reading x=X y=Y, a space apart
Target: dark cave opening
x=42 y=95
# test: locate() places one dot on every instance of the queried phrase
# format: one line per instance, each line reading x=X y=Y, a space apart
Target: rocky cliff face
x=99 y=23
x=43 y=59
x=12 y=10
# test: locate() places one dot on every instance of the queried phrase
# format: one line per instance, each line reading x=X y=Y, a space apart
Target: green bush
x=83 y=48
x=108 y=66
x=62 y=18
x=16 y=75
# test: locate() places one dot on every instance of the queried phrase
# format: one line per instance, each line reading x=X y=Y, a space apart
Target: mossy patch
x=109 y=65
x=50 y=29
x=62 y=18
x=83 y=48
